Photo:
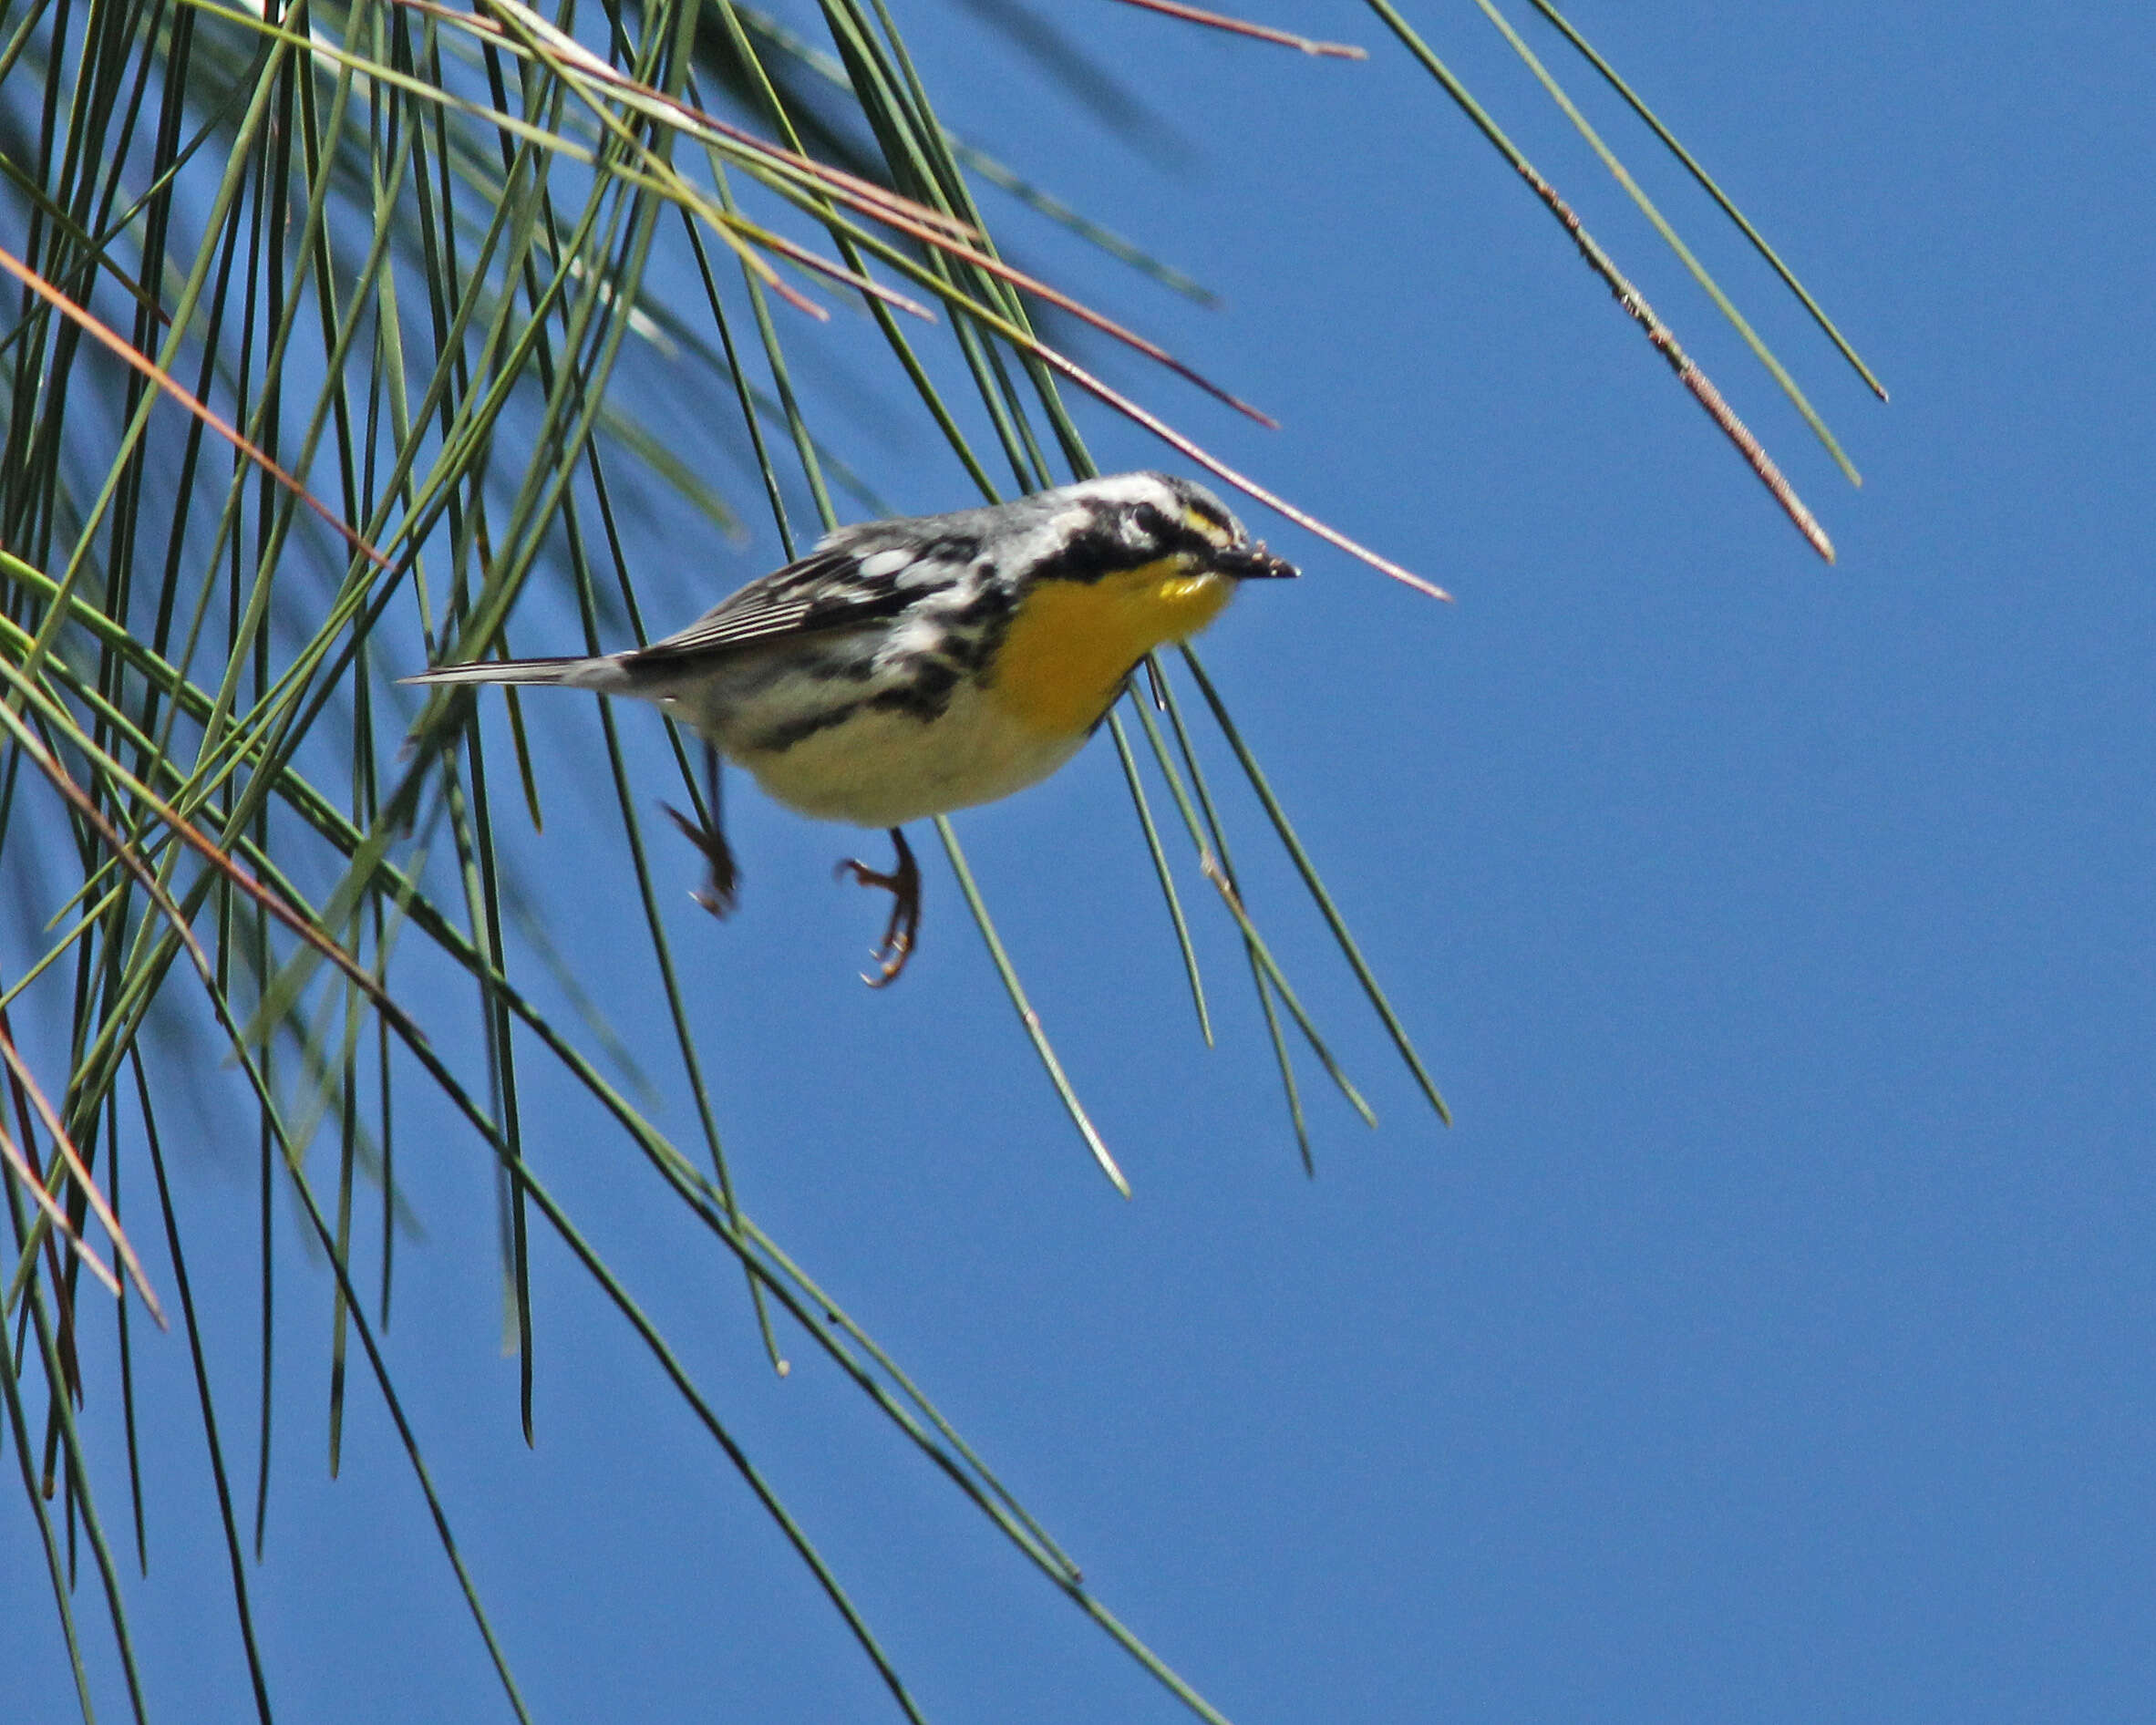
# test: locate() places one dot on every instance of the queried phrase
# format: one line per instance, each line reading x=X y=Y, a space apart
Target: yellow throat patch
x=1072 y=643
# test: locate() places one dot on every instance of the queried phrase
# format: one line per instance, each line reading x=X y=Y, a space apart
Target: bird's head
x=1149 y=520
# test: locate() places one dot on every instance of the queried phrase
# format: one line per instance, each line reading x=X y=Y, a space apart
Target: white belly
x=883 y=768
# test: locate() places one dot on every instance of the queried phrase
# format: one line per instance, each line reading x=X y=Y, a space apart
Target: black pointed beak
x=1252 y=562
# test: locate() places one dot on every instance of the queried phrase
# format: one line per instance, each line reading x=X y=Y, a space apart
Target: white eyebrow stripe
x=1125 y=488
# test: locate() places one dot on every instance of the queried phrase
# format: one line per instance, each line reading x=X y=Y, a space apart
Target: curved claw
x=722 y=889
x=903 y=884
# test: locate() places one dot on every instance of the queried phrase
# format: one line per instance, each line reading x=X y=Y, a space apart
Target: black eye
x=1153 y=523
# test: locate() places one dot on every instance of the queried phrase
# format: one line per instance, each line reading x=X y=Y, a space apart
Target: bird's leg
x=904 y=884
x=721 y=889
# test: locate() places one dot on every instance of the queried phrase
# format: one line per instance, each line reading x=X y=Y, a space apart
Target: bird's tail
x=577 y=673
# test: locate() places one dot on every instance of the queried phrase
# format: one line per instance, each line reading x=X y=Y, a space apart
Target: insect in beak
x=1253 y=561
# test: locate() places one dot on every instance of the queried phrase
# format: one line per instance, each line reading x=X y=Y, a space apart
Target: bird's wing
x=827 y=590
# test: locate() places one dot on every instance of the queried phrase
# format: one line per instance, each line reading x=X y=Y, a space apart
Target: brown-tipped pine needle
x=865 y=194
x=1669 y=142
x=1219 y=469
x=1107 y=326
x=929 y=227
x=667 y=184
x=78 y=1171
x=1628 y=297
x=1259 y=32
x=57 y=776
x=121 y=346
x=1670 y=237
x=26 y=1176
x=1665 y=342
x=807 y=260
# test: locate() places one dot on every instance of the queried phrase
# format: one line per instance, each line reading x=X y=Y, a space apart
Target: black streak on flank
x=973 y=652
x=926 y=694
x=781 y=738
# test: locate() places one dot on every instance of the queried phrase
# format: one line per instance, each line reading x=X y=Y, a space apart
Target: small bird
x=908 y=667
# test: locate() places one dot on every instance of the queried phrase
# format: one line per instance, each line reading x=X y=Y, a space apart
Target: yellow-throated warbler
x=908 y=667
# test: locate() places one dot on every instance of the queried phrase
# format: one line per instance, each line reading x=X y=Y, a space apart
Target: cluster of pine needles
x=316 y=354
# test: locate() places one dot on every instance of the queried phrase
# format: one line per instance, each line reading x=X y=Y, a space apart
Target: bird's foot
x=903 y=884
x=721 y=890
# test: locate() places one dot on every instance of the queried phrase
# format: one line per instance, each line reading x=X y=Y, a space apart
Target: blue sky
x=1770 y=1338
